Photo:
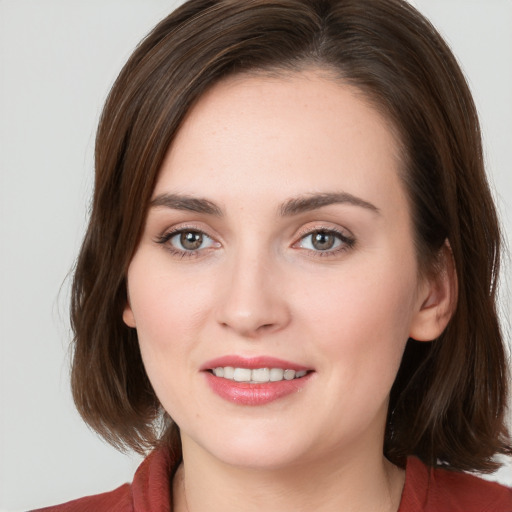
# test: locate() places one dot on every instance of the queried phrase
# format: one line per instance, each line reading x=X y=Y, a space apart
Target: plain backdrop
x=58 y=59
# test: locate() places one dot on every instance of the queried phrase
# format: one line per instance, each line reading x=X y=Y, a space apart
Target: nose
x=252 y=302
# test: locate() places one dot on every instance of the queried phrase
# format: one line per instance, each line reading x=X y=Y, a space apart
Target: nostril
x=252 y=312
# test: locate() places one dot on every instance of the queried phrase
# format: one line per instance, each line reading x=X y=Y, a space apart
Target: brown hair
x=448 y=401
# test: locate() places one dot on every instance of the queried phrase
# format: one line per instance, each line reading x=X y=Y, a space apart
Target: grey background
x=58 y=59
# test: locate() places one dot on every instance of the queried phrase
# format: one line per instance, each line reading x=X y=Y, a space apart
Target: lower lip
x=245 y=393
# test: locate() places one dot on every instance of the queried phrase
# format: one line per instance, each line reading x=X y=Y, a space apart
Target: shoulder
x=440 y=490
x=149 y=491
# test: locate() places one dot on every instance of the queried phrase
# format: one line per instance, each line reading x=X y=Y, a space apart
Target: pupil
x=323 y=241
x=191 y=240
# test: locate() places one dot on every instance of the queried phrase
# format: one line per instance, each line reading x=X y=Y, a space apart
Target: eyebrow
x=311 y=202
x=293 y=206
x=187 y=203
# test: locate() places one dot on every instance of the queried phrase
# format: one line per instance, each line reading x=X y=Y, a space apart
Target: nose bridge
x=252 y=302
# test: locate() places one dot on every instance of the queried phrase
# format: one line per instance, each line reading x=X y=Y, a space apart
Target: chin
x=267 y=459
x=261 y=450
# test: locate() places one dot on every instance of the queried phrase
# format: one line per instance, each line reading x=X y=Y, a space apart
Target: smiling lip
x=250 y=393
x=252 y=363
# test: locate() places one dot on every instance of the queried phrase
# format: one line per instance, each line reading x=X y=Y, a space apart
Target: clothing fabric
x=425 y=490
x=440 y=490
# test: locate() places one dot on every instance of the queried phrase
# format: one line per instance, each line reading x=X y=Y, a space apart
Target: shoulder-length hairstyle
x=448 y=402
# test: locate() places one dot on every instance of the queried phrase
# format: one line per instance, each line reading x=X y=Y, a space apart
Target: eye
x=325 y=240
x=186 y=242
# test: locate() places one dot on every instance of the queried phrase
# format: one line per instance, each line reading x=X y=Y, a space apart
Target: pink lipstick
x=256 y=380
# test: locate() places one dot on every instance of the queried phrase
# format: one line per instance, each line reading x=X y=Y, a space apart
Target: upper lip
x=236 y=361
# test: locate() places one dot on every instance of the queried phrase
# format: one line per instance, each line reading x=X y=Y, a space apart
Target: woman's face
x=278 y=246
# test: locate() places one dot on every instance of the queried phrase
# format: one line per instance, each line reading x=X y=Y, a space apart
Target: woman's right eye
x=187 y=242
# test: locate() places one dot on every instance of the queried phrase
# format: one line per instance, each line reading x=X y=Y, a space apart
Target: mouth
x=257 y=375
x=255 y=380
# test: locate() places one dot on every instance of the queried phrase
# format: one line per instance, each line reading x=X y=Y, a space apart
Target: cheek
x=163 y=304
x=168 y=312
x=363 y=318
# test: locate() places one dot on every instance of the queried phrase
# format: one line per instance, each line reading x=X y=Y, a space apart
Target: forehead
x=287 y=134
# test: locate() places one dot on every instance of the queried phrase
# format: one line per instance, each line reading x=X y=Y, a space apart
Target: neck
x=363 y=483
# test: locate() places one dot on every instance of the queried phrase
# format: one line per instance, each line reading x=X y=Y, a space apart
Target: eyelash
x=165 y=238
x=346 y=242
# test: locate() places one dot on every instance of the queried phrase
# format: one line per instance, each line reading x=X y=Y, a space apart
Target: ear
x=437 y=298
x=128 y=317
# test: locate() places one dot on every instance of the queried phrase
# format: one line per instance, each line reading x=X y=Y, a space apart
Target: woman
x=293 y=254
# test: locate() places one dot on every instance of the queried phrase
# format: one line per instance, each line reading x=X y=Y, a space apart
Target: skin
x=258 y=285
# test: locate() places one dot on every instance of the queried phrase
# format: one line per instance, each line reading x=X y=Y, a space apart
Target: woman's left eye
x=326 y=241
x=187 y=241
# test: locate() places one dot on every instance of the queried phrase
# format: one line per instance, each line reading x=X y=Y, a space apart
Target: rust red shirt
x=425 y=490
x=439 y=490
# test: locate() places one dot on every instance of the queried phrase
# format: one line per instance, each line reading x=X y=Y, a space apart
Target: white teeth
x=276 y=374
x=260 y=375
x=242 y=374
x=257 y=375
x=289 y=374
x=229 y=372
